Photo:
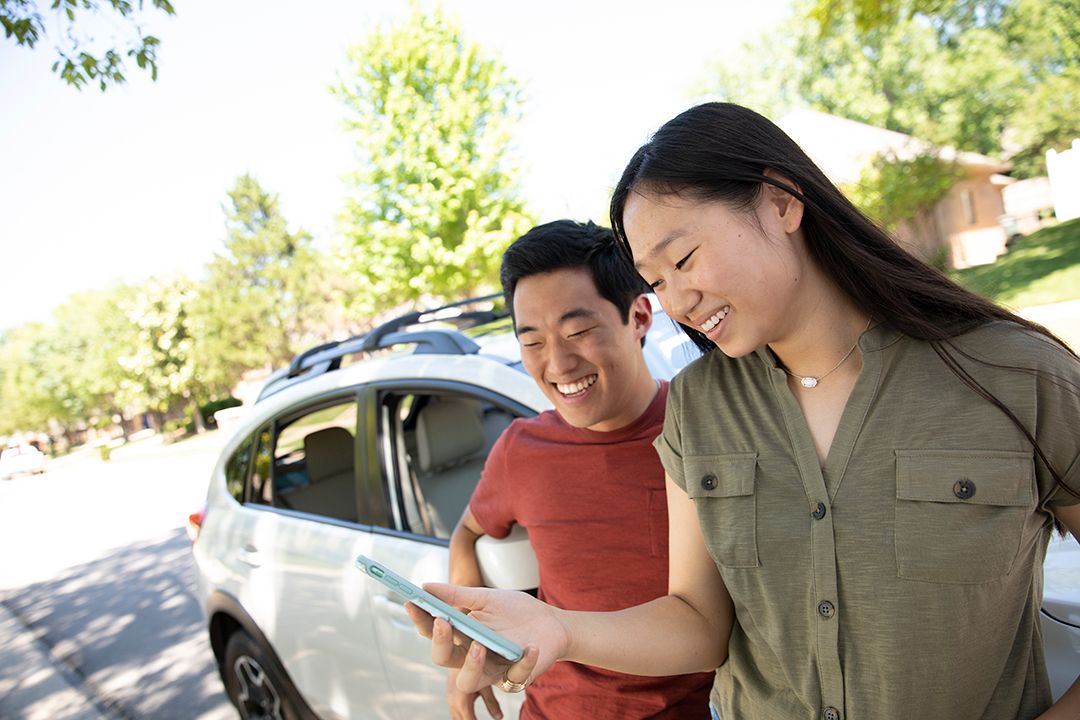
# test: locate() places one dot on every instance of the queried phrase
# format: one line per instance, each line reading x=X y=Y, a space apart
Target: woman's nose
x=677 y=299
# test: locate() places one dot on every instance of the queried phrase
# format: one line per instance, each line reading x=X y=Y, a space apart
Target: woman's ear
x=788 y=207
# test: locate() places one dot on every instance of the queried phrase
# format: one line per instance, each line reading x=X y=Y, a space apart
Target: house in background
x=964 y=224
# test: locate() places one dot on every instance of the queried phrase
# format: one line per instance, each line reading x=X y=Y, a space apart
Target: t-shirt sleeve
x=492 y=500
x=668 y=443
x=1058 y=430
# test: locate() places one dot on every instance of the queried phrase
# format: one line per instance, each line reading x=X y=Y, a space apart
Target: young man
x=584 y=479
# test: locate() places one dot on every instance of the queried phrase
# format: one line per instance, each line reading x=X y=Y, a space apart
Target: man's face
x=583 y=355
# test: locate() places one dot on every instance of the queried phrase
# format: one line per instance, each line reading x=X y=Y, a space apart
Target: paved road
x=97 y=567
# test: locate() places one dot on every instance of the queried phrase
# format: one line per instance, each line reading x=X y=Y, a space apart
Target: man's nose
x=561 y=358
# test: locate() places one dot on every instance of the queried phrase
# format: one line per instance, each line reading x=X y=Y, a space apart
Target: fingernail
x=474 y=651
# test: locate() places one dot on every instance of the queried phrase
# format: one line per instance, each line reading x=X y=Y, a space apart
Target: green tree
x=268 y=295
x=436 y=196
x=80 y=60
x=92 y=333
x=68 y=370
x=992 y=76
x=162 y=363
x=1015 y=61
x=29 y=392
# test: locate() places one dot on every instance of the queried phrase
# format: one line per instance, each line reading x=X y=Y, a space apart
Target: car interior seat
x=450 y=442
x=331 y=491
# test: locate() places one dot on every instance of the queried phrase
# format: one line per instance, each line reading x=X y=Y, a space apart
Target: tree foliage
x=436 y=196
x=161 y=361
x=997 y=77
x=67 y=370
x=80 y=60
x=173 y=344
x=895 y=190
x=268 y=295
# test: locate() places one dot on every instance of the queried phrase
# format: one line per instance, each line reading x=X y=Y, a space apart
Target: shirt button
x=963 y=489
x=831 y=713
x=819 y=511
x=826 y=609
x=708 y=482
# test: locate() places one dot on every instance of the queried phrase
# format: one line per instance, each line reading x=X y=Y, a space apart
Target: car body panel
x=21 y=459
x=1061 y=612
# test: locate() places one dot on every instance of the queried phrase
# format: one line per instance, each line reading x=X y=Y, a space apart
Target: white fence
x=1064 y=171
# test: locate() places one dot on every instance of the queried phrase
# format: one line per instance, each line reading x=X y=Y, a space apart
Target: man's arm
x=464 y=567
x=465 y=570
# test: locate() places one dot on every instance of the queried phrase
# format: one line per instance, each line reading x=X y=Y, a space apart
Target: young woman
x=861 y=483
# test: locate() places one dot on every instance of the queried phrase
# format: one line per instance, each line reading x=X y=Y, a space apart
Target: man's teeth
x=575 y=388
x=715 y=319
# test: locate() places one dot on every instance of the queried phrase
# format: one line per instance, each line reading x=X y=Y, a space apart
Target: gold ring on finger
x=508 y=685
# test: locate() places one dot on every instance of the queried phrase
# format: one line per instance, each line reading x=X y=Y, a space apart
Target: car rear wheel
x=257 y=684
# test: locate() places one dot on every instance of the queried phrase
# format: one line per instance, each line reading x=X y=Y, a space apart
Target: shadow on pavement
x=130 y=625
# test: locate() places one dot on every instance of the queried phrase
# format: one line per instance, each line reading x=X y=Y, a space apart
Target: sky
x=98 y=188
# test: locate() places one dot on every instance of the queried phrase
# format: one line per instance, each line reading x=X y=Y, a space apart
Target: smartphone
x=435 y=607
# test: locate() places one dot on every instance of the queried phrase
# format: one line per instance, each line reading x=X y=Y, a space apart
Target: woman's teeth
x=715 y=319
x=577 y=387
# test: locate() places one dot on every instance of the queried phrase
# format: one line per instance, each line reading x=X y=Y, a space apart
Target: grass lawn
x=1039 y=269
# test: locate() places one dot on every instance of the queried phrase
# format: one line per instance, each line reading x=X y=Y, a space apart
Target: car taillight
x=194 y=524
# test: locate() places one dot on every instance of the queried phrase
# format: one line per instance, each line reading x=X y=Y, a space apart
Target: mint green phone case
x=435 y=607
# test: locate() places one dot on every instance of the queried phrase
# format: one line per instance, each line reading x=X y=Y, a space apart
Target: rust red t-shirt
x=595 y=507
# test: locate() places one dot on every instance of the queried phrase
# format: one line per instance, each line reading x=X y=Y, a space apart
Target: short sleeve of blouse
x=668 y=443
x=1058 y=428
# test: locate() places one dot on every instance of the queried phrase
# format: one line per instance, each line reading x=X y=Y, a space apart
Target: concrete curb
x=34 y=685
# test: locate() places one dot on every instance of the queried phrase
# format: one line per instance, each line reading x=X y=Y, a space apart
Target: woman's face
x=738 y=277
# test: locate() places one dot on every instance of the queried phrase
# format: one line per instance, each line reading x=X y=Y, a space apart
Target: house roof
x=842 y=147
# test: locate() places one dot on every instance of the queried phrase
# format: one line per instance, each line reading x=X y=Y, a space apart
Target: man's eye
x=679 y=265
x=530 y=344
x=580 y=333
x=655 y=284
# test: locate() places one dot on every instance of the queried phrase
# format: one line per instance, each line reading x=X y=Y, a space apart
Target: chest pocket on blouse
x=960 y=515
x=722 y=488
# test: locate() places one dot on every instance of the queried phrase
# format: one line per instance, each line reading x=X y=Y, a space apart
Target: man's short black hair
x=566 y=244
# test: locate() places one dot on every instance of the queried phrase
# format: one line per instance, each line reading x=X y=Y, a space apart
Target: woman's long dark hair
x=720 y=152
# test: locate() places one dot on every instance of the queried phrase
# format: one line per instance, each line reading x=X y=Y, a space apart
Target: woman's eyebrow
x=660 y=247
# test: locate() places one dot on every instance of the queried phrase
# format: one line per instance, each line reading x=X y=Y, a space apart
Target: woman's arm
x=1068 y=705
x=684 y=631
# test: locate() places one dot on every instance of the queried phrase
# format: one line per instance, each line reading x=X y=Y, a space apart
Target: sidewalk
x=34 y=685
x=1062 y=318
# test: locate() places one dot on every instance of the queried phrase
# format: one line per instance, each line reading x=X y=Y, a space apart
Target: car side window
x=236 y=469
x=434 y=449
x=261 y=489
x=314 y=468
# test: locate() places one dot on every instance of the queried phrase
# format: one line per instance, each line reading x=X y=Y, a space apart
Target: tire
x=257 y=684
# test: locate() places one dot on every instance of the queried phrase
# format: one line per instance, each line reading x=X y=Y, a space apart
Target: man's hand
x=463 y=705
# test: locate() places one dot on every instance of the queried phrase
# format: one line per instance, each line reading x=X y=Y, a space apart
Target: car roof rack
x=327 y=357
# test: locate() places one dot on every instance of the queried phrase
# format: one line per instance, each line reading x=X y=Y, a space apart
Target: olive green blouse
x=903 y=579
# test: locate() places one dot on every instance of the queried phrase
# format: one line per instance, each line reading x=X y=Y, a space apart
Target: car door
x=308 y=598
x=431 y=443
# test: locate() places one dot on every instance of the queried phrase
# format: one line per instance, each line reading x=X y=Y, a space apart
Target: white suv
x=379 y=457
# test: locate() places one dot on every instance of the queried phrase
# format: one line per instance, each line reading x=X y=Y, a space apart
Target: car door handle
x=249 y=555
x=395 y=610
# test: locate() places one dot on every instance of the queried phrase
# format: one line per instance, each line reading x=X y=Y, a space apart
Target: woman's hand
x=519 y=616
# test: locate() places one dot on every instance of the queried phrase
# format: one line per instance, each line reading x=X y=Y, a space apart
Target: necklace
x=811 y=381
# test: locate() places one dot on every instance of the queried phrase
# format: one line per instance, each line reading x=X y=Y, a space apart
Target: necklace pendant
x=808 y=382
